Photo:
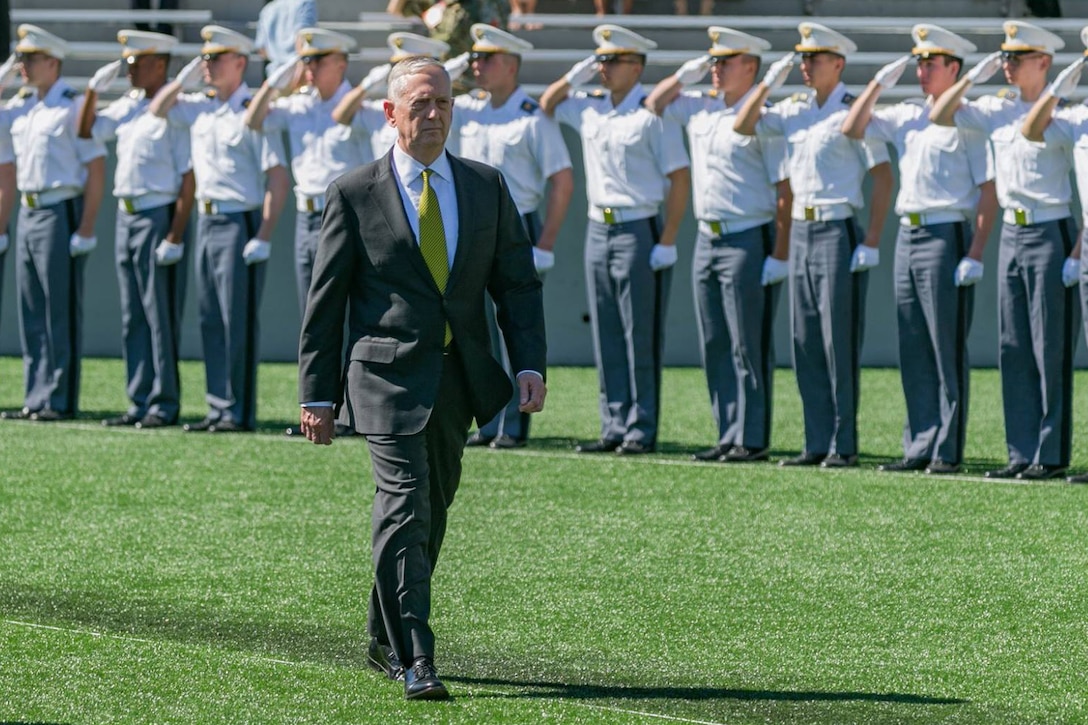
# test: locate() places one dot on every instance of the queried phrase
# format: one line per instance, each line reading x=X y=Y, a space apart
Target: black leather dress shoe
x=50 y=416
x=907 y=464
x=477 y=439
x=151 y=420
x=21 y=414
x=227 y=426
x=600 y=446
x=942 y=468
x=201 y=427
x=1010 y=471
x=382 y=658
x=838 y=461
x=805 y=459
x=743 y=454
x=1079 y=478
x=634 y=448
x=121 y=420
x=421 y=682
x=1041 y=472
x=506 y=442
x=710 y=454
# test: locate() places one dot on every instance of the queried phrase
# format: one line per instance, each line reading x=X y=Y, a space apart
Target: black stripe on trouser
x=249 y=393
x=171 y=301
x=529 y=222
x=855 y=332
x=766 y=340
x=963 y=312
x=73 y=314
x=1068 y=345
x=658 y=327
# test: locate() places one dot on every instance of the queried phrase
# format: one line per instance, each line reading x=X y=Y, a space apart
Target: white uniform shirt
x=733 y=175
x=1070 y=125
x=229 y=159
x=48 y=152
x=1029 y=175
x=517 y=139
x=152 y=154
x=940 y=167
x=826 y=167
x=628 y=150
x=321 y=148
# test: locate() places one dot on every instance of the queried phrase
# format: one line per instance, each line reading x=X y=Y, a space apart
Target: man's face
x=620 y=72
x=821 y=69
x=422 y=111
x=733 y=72
x=491 y=68
x=1025 y=68
x=937 y=74
x=323 y=71
x=223 y=69
x=146 y=71
x=37 y=68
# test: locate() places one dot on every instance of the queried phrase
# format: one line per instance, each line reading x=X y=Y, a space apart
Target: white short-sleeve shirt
x=152 y=154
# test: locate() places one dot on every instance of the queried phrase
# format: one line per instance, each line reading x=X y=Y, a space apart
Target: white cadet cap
x=1021 y=37
x=930 y=40
x=816 y=38
x=489 y=39
x=318 y=41
x=614 y=40
x=410 y=45
x=726 y=41
x=218 y=39
x=1084 y=37
x=33 y=39
x=142 y=42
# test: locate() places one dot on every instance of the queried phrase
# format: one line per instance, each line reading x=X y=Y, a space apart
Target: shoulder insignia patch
x=799 y=97
x=70 y=93
x=246 y=102
x=529 y=105
x=1063 y=102
x=848 y=98
x=1007 y=93
x=768 y=104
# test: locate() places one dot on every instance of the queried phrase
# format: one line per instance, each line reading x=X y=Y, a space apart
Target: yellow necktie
x=432 y=240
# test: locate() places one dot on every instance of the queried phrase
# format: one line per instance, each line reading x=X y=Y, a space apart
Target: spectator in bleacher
x=519 y=8
x=706 y=7
x=604 y=7
x=830 y=255
x=61 y=178
x=153 y=184
x=742 y=203
x=1037 y=263
x=278 y=25
x=945 y=180
x=501 y=126
x=451 y=20
x=241 y=185
x=164 y=28
x=634 y=163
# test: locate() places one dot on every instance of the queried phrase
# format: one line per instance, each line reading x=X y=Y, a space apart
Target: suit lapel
x=386 y=195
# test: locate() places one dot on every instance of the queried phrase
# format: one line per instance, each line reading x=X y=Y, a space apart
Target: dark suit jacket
x=369 y=261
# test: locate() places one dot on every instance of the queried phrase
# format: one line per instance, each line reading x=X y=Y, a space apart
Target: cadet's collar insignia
x=712 y=93
x=1007 y=93
x=479 y=94
x=210 y=93
x=26 y=92
x=529 y=105
x=848 y=98
x=134 y=93
x=799 y=97
x=922 y=33
x=598 y=93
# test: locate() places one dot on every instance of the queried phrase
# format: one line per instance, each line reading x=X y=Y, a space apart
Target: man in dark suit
x=409 y=244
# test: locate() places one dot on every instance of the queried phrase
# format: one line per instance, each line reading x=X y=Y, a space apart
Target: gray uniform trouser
x=934 y=319
x=230 y=298
x=627 y=305
x=736 y=318
x=50 y=288
x=152 y=298
x=1037 y=322
x=510 y=421
x=827 y=314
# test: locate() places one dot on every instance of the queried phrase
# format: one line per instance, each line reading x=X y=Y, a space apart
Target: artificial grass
x=223 y=579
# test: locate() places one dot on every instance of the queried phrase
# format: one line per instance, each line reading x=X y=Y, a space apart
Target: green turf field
x=162 y=577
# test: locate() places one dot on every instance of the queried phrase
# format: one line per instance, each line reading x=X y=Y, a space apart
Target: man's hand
x=167 y=253
x=531 y=392
x=968 y=272
x=985 y=69
x=778 y=72
x=78 y=246
x=543 y=260
x=694 y=70
x=456 y=66
x=317 y=424
x=890 y=74
x=1070 y=271
x=582 y=72
x=774 y=271
x=256 y=251
x=9 y=71
x=662 y=256
x=865 y=257
x=281 y=77
x=104 y=77
x=191 y=73
x=375 y=78
x=1067 y=81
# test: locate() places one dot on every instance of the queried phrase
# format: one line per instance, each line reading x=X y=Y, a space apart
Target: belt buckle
x=914 y=218
x=1021 y=216
x=208 y=206
x=810 y=213
x=128 y=206
x=609 y=215
x=31 y=198
x=716 y=228
x=310 y=206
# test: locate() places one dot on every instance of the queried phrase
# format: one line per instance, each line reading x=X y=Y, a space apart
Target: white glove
x=985 y=69
x=8 y=71
x=78 y=246
x=456 y=66
x=890 y=74
x=662 y=256
x=281 y=77
x=694 y=70
x=1070 y=271
x=582 y=72
x=778 y=72
x=4 y=243
x=104 y=76
x=774 y=271
x=543 y=260
x=968 y=272
x=376 y=77
x=256 y=251
x=168 y=253
x=1067 y=81
x=192 y=73
x=865 y=257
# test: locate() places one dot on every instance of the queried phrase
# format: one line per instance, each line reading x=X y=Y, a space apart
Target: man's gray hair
x=398 y=77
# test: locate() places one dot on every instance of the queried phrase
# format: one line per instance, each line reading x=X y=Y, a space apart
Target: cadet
x=742 y=201
x=1036 y=310
x=501 y=126
x=831 y=259
x=154 y=186
x=634 y=161
x=61 y=178
x=9 y=71
x=234 y=205
x=944 y=177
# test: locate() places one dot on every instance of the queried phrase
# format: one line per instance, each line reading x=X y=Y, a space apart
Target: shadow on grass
x=24 y=722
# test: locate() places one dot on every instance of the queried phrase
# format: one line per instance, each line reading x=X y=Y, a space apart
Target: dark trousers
x=416 y=478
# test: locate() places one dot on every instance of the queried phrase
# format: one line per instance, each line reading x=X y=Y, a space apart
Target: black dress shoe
x=1079 y=478
x=805 y=459
x=1010 y=471
x=634 y=448
x=743 y=454
x=710 y=454
x=942 y=468
x=121 y=420
x=21 y=414
x=421 y=682
x=227 y=426
x=382 y=658
x=477 y=439
x=201 y=427
x=152 y=420
x=907 y=464
x=50 y=416
x=600 y=446
x=1041 y=472
x=838 y=461
x=506 y=442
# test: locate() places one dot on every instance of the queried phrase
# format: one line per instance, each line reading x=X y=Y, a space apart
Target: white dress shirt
x=1070 y=126
x=409 y=175
x=152 y=154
